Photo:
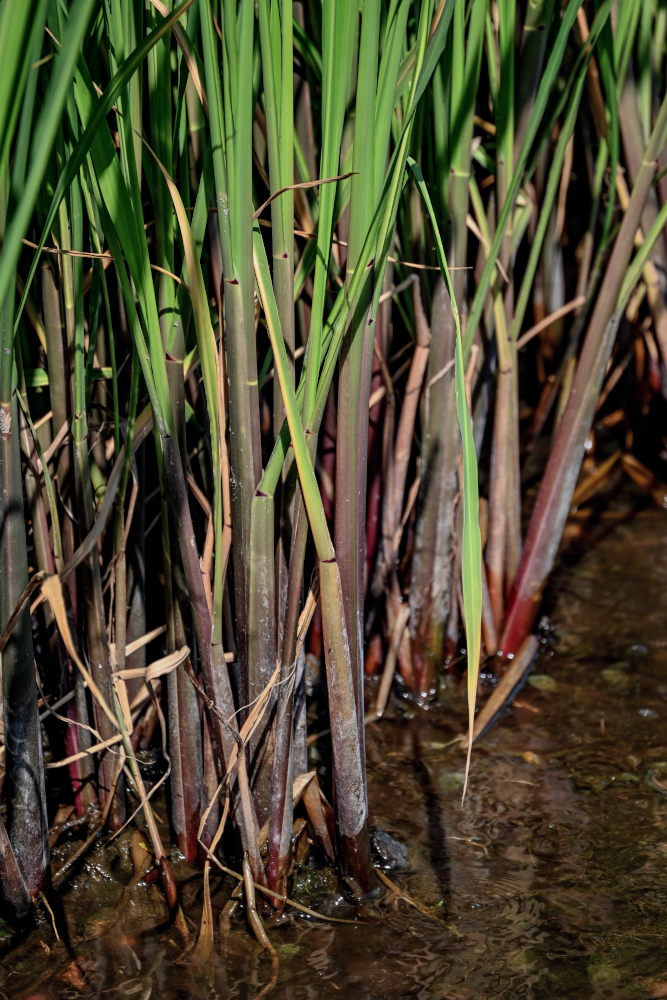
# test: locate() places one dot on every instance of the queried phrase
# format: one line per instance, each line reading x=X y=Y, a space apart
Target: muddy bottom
x=551 y=880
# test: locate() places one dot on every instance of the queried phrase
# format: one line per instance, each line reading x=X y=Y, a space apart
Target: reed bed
x=278 y=283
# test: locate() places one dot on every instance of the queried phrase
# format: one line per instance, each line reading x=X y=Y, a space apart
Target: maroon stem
x=560 y=476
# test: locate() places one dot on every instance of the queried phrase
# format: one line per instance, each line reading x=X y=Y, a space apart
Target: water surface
x=551 y=880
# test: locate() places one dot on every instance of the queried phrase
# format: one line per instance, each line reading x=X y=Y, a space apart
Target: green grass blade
x=549 y=75
x=547 y=201
x=80 y=151
x=311 y=492
x=46 y=128
x=471 y=562
x=23 y=108
x=20 y=25
x=338 y=43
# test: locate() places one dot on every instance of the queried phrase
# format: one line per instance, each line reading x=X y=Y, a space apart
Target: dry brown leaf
x=52 y=590
x=203 y=950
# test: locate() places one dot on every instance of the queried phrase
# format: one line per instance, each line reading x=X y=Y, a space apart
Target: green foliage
x=387 y=145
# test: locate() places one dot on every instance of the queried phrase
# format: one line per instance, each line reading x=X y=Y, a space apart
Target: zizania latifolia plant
x=275 y=279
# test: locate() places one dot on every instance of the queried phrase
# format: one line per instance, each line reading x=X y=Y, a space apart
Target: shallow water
x=551 y=880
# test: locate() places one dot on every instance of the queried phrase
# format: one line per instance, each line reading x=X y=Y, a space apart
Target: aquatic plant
x=260 y=264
